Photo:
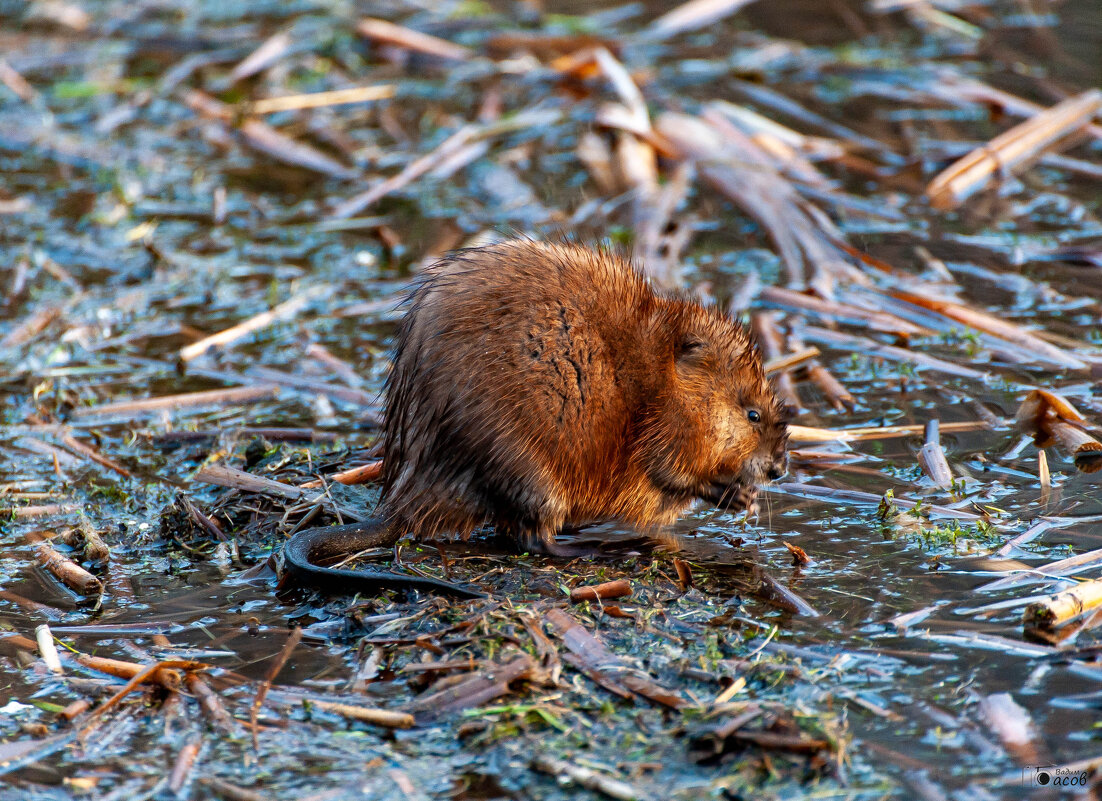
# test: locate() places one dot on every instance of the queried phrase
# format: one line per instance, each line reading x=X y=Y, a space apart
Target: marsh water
x=143 y=226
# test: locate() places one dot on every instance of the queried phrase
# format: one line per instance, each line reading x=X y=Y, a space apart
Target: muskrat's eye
x=753 y=415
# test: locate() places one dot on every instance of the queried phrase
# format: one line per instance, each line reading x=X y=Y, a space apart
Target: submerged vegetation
x=208 y=215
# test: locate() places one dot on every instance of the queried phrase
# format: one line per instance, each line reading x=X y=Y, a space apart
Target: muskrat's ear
x=690 y=346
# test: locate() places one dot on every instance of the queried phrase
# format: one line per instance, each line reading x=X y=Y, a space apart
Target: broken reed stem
x=790 y=360
x=1064 y=606
x=168 y=678
x=89 y=452
x=139 y=678
x=388 y=33
x=223 y=476
x=588 y=778
x=209 y=702
x=185 y=762
x=355 y=475
x=931 y=457
x=48 y=648
x=610 y=589
x=63 y=568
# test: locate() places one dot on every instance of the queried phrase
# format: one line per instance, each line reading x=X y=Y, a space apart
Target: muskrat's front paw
x=747 y=499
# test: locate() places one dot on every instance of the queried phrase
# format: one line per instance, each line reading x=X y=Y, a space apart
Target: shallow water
x=118 y=234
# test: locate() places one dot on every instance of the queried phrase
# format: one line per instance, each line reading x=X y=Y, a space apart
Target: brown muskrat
x=537 y=387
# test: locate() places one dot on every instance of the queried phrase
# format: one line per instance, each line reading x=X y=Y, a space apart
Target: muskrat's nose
x=777 y=470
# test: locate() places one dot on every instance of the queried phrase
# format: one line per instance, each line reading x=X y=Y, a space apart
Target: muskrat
x=539 y=386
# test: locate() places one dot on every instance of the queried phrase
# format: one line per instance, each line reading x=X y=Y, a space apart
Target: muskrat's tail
x=303 y=550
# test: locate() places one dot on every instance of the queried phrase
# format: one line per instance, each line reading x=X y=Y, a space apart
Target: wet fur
x=540 y=386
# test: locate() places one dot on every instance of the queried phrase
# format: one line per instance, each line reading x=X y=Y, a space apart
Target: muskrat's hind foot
x=544 y=542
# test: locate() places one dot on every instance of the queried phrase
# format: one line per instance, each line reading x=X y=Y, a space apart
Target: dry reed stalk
x=837 y=395
x=270 y=51
x=798 y=433
x=336 y=97
x=48 y=649
x=89 y=452
x=1011 y=722
x=273 y=671
x=1053 y=570
x=388 y=33
x=1012 y=149
x=284 y=311
x=184 y=765
x=63 y=568
x=740 y=172
x=339 y=366
x=772 y=591
x=356 y=475
x=1062 y=607
x=296 y=382
x=211 y=397
x=31 y=327
x=210 y=702
x=168 y=678
x=410 y=173
x=16 y=82
x=474 y=689
x=989 y=324
x=871 y=347
x=839 y=312
x=595 y=154
x=378 y=717
x=589 y=778
x=692 y=15
x=599 y=661
x=41 y=609
x=223 y=476
x=790 y=360
x=45 y=510
x=610 y=589
x=264 y=138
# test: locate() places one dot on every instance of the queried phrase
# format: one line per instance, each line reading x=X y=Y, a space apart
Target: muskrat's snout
x=778 y=468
